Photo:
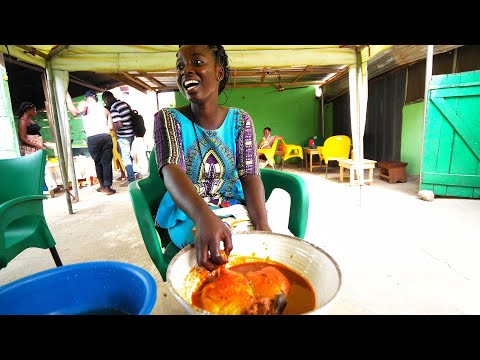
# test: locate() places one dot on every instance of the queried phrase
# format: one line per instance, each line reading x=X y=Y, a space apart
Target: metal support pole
x=52 y=99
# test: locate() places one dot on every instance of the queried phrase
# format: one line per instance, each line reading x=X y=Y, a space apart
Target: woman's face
x=266 y=133
x=32 y=111
x=198 y=76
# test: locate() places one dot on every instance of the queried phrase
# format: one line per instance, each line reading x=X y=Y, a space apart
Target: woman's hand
x=210 y=232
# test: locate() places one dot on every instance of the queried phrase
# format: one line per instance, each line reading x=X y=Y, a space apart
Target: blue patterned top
x=214 y=160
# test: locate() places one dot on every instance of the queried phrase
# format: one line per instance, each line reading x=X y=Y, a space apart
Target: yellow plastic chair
x=117 y=159
x=335 y=148
x=290 y=151
x=270 y=153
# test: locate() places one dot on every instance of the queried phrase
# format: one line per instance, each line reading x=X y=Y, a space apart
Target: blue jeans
x=124 y=146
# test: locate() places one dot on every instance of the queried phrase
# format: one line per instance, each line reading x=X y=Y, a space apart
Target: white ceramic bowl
x=308 y=260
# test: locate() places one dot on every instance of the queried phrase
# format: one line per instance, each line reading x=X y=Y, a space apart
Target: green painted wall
x=294 y=114
x=412 y=132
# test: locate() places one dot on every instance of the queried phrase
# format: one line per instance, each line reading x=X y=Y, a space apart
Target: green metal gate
x=451 y=148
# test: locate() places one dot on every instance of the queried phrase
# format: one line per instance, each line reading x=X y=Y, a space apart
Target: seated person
x=268 y=139
x=266 y=143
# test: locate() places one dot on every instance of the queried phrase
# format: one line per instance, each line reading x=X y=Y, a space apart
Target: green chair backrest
x=22 y=220
x=299 y=197
x=147 y=193
x=22 y=176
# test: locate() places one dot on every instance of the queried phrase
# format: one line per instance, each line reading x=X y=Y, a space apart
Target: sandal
x=100 y=189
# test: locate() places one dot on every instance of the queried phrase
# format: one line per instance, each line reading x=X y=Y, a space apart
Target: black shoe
x=109 y=190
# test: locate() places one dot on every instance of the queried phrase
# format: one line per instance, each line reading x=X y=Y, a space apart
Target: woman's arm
x=210 y=229
x=22 y=134
x=255 y=201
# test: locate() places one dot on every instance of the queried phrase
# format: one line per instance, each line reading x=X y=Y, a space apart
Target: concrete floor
x=398 y=254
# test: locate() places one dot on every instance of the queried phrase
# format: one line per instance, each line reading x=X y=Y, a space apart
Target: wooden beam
x=24 y=64
x=264 y=72
x=85 y=84
x=302 y=73
x=337 y=76
x=32 y=51
x=138 y=81
x=128 y=82
x=152 y=79
x=156 y=82
x=316 y=83
x=57 y=50
x=47 y=108
x=250 y=72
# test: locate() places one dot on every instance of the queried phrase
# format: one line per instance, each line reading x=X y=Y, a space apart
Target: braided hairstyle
x=221 y=58
x=24 y=107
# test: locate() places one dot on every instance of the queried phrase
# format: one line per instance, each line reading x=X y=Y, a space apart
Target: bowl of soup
x=265 y=271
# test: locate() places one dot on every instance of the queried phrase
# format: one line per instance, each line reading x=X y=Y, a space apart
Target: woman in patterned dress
x=207 y=157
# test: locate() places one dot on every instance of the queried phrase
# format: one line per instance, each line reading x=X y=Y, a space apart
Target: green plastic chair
x=22 y=221
x=147 y=193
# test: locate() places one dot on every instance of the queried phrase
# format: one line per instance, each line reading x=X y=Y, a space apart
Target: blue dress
x=214 y=160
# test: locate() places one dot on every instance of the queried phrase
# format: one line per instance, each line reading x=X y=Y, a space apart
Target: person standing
x=31 y=139
x=97 y=123
x=207 y=157
x=122 y=122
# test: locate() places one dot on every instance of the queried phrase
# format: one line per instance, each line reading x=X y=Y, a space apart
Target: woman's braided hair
x=221 y=58
x=24 y=107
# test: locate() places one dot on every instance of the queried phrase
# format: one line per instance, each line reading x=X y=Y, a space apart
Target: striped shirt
x=120 y=111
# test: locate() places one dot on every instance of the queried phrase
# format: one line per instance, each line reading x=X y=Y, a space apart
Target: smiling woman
x=207 y=157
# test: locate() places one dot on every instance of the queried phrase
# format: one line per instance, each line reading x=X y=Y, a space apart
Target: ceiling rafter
x=56 y=51
x=137 y=80
x=248 y=70
x=77 y=81
x=151 y=78
x=156 y=82
x=302 y=73
x=32 y=51
x=127 y=81
x=264 y=73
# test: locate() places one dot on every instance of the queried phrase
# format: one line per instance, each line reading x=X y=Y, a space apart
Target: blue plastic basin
x=99 y=287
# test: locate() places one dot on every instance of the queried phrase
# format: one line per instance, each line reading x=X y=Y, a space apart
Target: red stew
x=300 y=299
